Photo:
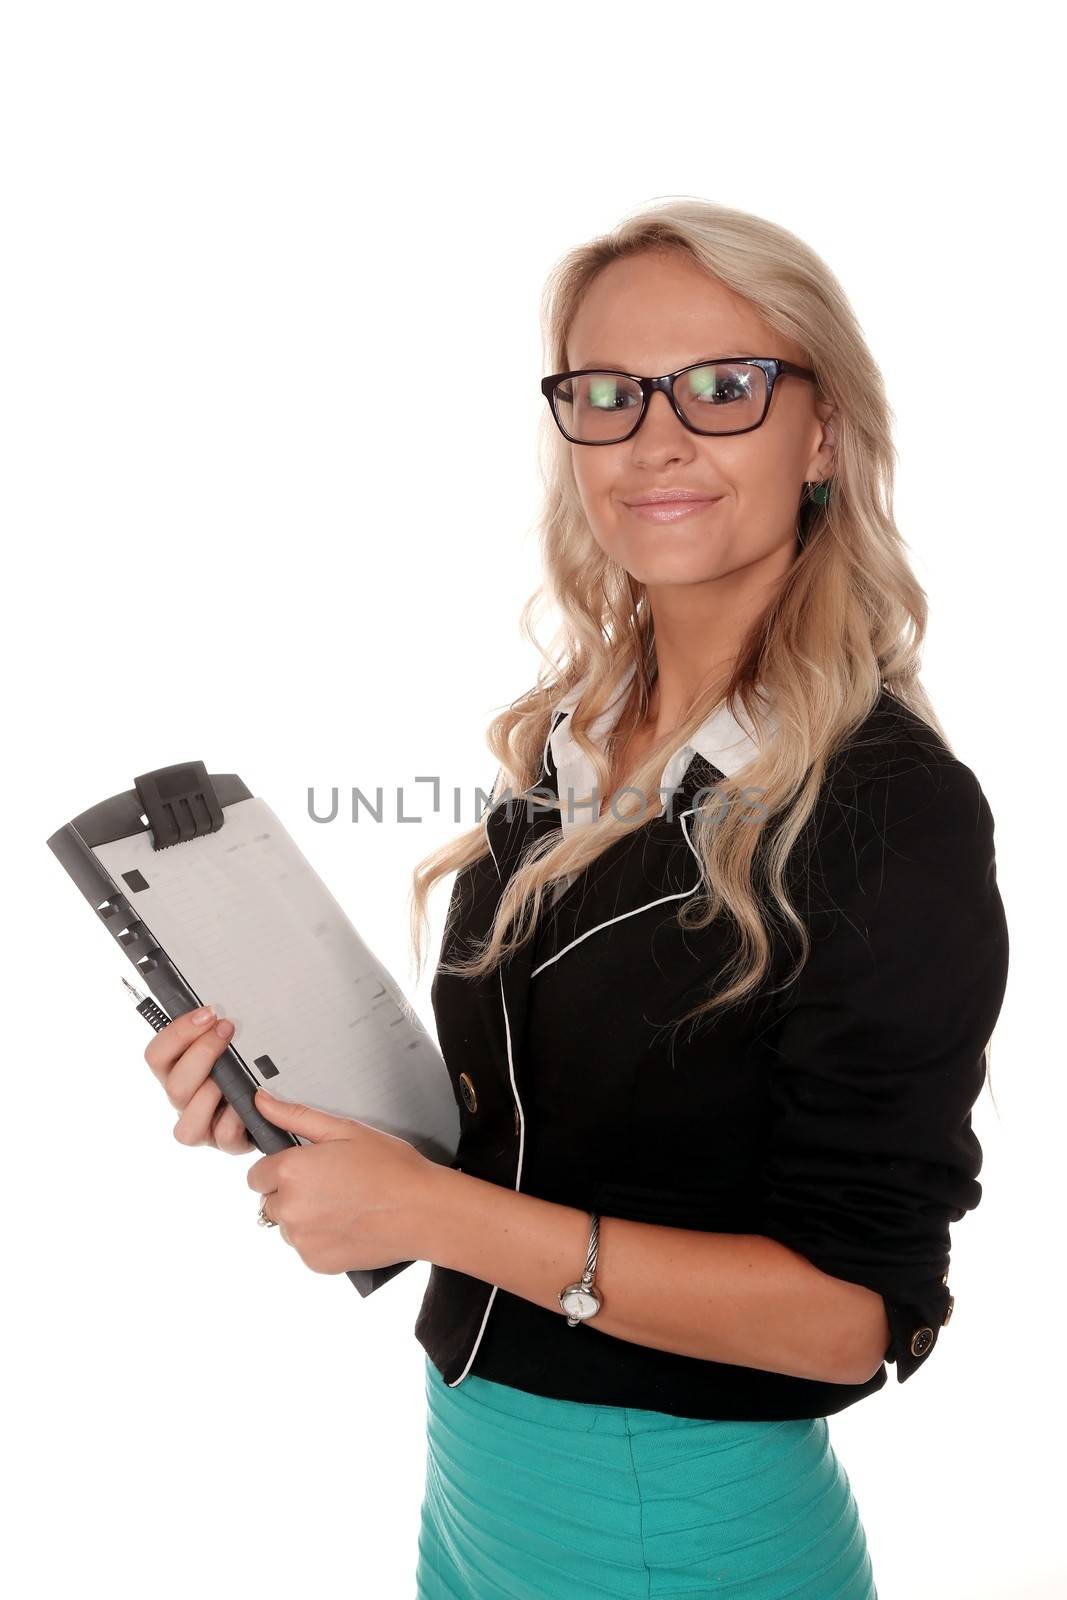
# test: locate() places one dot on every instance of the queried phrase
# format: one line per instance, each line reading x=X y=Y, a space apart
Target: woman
x=719 y=975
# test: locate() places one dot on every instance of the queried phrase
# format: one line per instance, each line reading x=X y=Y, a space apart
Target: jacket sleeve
x=880 y=1053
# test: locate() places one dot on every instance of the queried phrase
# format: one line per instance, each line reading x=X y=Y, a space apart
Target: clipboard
x=212 y=901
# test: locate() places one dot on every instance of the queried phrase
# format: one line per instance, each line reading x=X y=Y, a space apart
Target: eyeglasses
x=727 y=394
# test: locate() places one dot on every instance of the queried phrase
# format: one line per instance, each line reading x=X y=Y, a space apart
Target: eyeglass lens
x=603 y=407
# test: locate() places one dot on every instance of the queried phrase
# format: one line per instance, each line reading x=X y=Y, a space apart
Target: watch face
x=579 y=1303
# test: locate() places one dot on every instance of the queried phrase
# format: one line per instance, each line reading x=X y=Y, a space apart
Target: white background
x=224 y=226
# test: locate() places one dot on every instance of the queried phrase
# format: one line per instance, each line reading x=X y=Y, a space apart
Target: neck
x=700 y=629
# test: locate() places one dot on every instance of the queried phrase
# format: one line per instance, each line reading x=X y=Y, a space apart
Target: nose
x=661 y=425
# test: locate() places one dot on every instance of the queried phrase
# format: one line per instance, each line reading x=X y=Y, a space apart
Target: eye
x=608 y=393
x=719 y=385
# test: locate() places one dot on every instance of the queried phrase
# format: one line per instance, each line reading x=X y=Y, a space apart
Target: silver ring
x=263 y=1219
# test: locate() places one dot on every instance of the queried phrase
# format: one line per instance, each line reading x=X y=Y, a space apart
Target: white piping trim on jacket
x=679 y=894
x=553 y=723
x=522 y=1138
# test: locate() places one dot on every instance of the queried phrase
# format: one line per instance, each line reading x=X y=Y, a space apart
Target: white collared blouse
x=724 y=741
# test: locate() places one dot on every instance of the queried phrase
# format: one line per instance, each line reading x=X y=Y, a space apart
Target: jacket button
x=466 y=1089
x=948 y=1309
x=921 y=1340
x=944 y=1278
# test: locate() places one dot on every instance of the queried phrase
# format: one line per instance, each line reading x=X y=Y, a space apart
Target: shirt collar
x=723 y=740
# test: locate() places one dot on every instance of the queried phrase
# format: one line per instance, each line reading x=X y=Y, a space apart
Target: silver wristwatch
x=580 y=1300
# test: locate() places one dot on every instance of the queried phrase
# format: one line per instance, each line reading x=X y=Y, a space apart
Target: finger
x=194 y=1125
x=230 y=1133
x=309 y=1123
x=265 y=1175
x=164 y=1048
x=267 y=1207
x=195 y=1063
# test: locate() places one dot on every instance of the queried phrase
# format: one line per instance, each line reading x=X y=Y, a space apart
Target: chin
x=664 y=574
x=654 y=561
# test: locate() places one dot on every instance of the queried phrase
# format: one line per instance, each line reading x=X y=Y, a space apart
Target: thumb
x=318 y=1126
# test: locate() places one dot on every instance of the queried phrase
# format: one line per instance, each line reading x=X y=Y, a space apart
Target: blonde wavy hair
x=848 y=619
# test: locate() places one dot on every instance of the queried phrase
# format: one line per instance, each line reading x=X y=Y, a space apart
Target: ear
x=821 y=464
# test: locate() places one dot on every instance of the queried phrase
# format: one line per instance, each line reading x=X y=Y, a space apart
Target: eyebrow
x=613 y=366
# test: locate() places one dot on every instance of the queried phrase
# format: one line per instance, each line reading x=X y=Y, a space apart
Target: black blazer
x=834 y=1118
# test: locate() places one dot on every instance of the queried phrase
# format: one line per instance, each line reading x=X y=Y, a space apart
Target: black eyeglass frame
x=773 y=368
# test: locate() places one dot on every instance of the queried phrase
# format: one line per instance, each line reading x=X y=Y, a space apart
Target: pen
x=147 y=1007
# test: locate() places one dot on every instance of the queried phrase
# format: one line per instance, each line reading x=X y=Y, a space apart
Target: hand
x=181 y=1056
x=354 y=1197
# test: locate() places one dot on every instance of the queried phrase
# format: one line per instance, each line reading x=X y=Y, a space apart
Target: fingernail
x=205 y=1014
x=224 y=1028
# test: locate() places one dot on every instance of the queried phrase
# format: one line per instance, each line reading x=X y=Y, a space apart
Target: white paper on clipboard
x=255 y=932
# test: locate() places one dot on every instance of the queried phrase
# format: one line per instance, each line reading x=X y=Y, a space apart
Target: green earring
x=820 y=492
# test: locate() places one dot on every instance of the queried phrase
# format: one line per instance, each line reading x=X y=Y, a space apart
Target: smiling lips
x=670 y=505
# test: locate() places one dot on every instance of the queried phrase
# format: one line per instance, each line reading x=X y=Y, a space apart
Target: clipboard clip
x=180 y=803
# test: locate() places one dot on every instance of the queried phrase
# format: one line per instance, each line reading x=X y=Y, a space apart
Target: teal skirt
x=529 y=1498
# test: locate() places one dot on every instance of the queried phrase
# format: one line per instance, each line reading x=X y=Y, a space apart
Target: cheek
x=593 y=477
x=596 y=481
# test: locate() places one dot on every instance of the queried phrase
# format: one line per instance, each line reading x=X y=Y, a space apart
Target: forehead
x=659 y=310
